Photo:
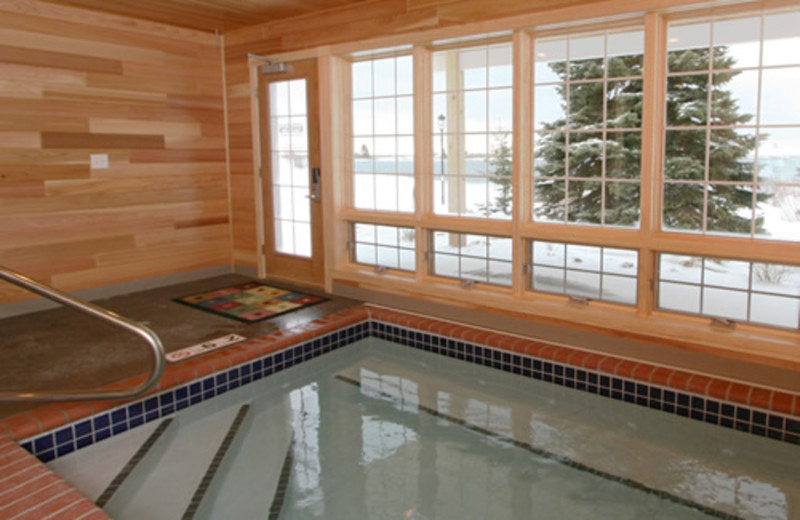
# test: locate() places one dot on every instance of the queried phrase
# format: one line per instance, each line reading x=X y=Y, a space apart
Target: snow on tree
x=729 y=204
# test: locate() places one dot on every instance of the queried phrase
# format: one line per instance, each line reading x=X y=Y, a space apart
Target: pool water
x=378 y=431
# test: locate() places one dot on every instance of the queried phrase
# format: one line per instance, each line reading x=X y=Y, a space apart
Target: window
x=730 y=289
x=289 y=144
x=733 y=127
x=384 y=246
x=467 y=257
x=383 y=134
x=472 y=121
x=587 y=119
x=703 y=220
x=582 y=271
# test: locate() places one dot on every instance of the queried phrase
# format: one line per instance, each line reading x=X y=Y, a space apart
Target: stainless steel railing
x=159 y=361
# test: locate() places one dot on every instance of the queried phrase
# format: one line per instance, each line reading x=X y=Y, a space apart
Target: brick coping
x=59 y=499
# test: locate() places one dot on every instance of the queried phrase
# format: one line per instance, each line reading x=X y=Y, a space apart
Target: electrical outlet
x=98 y=161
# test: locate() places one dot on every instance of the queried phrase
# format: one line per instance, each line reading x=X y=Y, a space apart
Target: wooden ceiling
x=210 y=15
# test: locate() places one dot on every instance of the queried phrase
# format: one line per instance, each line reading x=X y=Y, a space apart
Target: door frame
x=262 y=185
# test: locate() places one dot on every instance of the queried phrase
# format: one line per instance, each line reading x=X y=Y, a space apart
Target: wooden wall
x=75 y=83
x=348 y=24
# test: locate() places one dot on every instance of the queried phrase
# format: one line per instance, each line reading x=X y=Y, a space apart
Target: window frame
x=645 y=319
x=604 y=128
x=703 y=286
x=372 y=57
x=756 y=126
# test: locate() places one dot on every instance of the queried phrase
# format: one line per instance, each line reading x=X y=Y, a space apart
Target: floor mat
x=250 y=302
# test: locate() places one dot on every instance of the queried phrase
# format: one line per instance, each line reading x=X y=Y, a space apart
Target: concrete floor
x=65 y=349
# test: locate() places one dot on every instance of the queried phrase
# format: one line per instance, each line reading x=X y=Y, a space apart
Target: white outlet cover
x=98 y=161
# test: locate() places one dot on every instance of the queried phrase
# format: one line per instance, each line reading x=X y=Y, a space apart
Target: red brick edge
x=51 y=416
x=30 y=490
x=754 y=396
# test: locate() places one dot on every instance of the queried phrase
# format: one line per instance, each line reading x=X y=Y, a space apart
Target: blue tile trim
x=85 y=432
x=59 y=442
x=701 y=408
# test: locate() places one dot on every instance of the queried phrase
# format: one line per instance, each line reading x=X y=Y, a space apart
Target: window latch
x=580 y=301
x=723 y=324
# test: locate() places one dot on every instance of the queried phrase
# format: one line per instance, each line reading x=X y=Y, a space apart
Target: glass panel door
x=290 y=167
x=292 y=180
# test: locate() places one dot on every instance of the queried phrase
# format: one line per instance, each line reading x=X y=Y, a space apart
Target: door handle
x=315 y=195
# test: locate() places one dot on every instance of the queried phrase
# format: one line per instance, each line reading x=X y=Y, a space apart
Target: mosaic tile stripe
x=782 y=402
x=65 y=440
x=283 y=483
x=125 y=472
x=52 y=416
x=561 y=459
x=715 y=411
x=205 y=483
x=55 y=430
x=702 y=408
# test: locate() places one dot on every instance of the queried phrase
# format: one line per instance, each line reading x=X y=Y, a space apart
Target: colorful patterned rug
x=250 y=302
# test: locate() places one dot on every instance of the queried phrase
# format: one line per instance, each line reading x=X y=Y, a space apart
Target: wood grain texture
x=96 y=141
x=148 y=96
x=373 y=19
x=210 y=15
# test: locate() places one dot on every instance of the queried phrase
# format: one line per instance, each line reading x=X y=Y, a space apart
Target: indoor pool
x=378 y=430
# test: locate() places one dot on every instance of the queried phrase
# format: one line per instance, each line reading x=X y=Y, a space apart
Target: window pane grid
x=472 y=122
x=767 y=294
x=588 y=93
x=383 y=134
x=480 y=258
x=592 y=272
x=587 y=161
x=733 y=128
x=383 y=246
x=290 y=167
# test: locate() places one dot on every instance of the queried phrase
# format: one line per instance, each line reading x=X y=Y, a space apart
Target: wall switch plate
x=98 y=161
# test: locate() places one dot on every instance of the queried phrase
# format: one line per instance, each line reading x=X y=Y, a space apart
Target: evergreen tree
x=584 y=168
x=500 y=174
x=687 y=101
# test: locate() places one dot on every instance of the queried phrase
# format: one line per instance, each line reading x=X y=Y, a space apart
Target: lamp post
x=441 y=119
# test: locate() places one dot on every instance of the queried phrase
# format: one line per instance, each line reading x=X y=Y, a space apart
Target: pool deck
x=31 y=490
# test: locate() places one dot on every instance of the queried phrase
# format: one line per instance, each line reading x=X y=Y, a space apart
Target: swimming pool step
x=252 y=467
x=139 y=459
x=217 y=464
x=93 y=468
x=165 y=483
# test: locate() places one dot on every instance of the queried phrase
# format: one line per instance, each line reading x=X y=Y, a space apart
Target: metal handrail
x=159 y=361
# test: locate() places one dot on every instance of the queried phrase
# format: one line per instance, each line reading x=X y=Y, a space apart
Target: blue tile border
x=82 y=433
x=736 y=416
x=85 y=432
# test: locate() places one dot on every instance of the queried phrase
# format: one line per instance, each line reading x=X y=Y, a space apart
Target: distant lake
x=776 y=169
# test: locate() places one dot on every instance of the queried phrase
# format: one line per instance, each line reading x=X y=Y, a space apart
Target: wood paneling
x=210 y=15
x=150 y=96
x=373 y=19
x=99 y=141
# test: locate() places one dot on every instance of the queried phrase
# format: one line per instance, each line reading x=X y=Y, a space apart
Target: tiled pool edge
x=31 y=489
x=748 y=408
x=758 y=410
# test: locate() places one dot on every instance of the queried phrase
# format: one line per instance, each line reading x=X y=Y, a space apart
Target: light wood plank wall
x=150 y=96
x=348 y=24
